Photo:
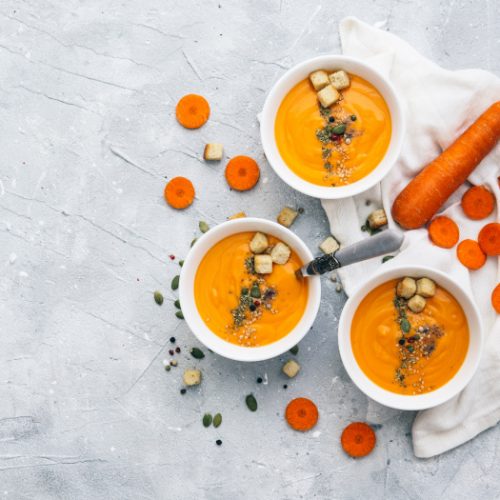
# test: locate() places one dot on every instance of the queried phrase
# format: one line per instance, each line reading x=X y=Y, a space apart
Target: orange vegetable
x=358 y=439
x=192 y=111
x=478 y=202
x=426 y=193
x=469 y=253
x=443 y=232
x=301 y=414
x=242 y=173
x=489 y=239
x=179 y=193
x=495 y=298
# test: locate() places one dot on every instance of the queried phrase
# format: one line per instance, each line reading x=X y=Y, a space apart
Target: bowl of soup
x=239 y=292
x=410 y=338
x=332 y=127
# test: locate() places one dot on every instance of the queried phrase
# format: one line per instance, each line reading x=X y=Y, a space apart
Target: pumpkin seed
x=255 y=291
x=158 y=297
x=217 y=420
x=175 y=282
x=181 y=263
x=207 y=420
x=179 y=314
x=387 y=257
x=193 y=242
x=294 y=350
x=339 y=129
x=177 y=304
x=251 y=402
x=405 y=325
x=197 y=353
x=204 y=227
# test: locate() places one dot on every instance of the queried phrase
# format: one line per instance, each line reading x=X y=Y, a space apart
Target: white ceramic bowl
x=302 y=71
x=430 y=399
x=195 y=321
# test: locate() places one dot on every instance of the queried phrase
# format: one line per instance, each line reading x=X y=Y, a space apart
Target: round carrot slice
x=192 y=111
x=242 y=173
x=443 y=232
x=469 y=253
x=478 y=202
x=358 y=439
x=495 y=298
x=179 y=193
x=489 y=239
x=301 y=414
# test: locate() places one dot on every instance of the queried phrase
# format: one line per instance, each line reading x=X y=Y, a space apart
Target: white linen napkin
x=438 y=105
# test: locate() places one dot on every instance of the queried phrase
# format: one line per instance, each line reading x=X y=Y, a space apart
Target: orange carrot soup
x=246 y=290
x=333 y=144
x=409 y=352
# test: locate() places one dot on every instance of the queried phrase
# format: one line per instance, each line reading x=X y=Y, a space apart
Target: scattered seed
x=285 y=386
x=354 y=118
x=177 y=350
x=173 y=362
x=301 y=210
x=294 y=350
x=207 y=420
x=197 y=353
x=175 y=282
x=177 y=304
x=339 y=129
x=251 y=402
x=218 y=442
x=405 y=325
x=179 y=314
x=217 y=420
x=172 y=257
x=158 y=297
x=194 y=241
x=333 y=277
x=259 y=380
x=338 y=288
x=168 y=368
x=172 y=339
x=181 y=263
x=171 y=352
x=204 y=227
x=387 y=257
x=183 y=391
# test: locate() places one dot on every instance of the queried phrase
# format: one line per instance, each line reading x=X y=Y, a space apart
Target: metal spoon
x=385 y=242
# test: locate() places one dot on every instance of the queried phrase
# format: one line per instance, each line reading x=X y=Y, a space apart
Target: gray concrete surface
x=88 y=136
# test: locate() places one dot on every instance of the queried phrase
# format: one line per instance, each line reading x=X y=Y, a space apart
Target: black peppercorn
x=172 y=339
x=401 y=341
x=218 y=442
x=183 y=391
x=177 y=350
x=259 y=380
x=331 y=119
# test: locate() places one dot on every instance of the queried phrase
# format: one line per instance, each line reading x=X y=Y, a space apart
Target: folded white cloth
x=438 y=105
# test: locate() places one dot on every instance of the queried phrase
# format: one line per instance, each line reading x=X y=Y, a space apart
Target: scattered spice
x=251 y=402
x=386 y=258
x=158 y=297
x=173 y=362
x=197 y=353
x=177 y=350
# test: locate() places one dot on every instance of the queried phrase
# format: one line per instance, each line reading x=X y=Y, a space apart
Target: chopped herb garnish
x=339 y=129
x=250 y=265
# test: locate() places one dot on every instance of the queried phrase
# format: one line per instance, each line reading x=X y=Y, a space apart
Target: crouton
x=406 y=288
x=239 y=215
x=213 y=151
x=339 y=80
x=377 y=219
x=416 y=303
x=319 y=79
x=426 y=287
x=192 y=377
x=330 y=245
x=263 y=264
x=327 y=96
x=287 y=216
x=280 y=253
x=291 y=368
x=259 y=243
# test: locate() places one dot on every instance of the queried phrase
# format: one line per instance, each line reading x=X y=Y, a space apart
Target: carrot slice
x=469 y=253
x=489 y=239
x=478 y=202
x=495 y=298
x=179 y=193
x=301 y=414
x=192 y=111
x=358 y=439
x=443 y=232
x=425 y=194
x=242 y=173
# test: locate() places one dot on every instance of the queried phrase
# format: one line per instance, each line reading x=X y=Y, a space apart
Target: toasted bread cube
x=377 y=219
x=330 y=245
x=291 y=368
x=319 y=79
x=406 y=288
x=287 y=216
x=263 y=264
x=239 y=215
x=213 y=152
x=280 y=253
x=426 y=287
x=327 y=96
x=340 y=80
x=417 y=303
x=259 y=243
x=192 y=377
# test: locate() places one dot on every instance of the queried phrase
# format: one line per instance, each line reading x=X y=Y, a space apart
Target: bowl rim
x=186 y=291
x=273 y=101
x=444 y=393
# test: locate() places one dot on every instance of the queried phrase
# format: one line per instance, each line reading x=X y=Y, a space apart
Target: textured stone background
x=88 y=136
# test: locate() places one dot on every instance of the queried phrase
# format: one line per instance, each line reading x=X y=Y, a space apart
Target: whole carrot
x=427 y=192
